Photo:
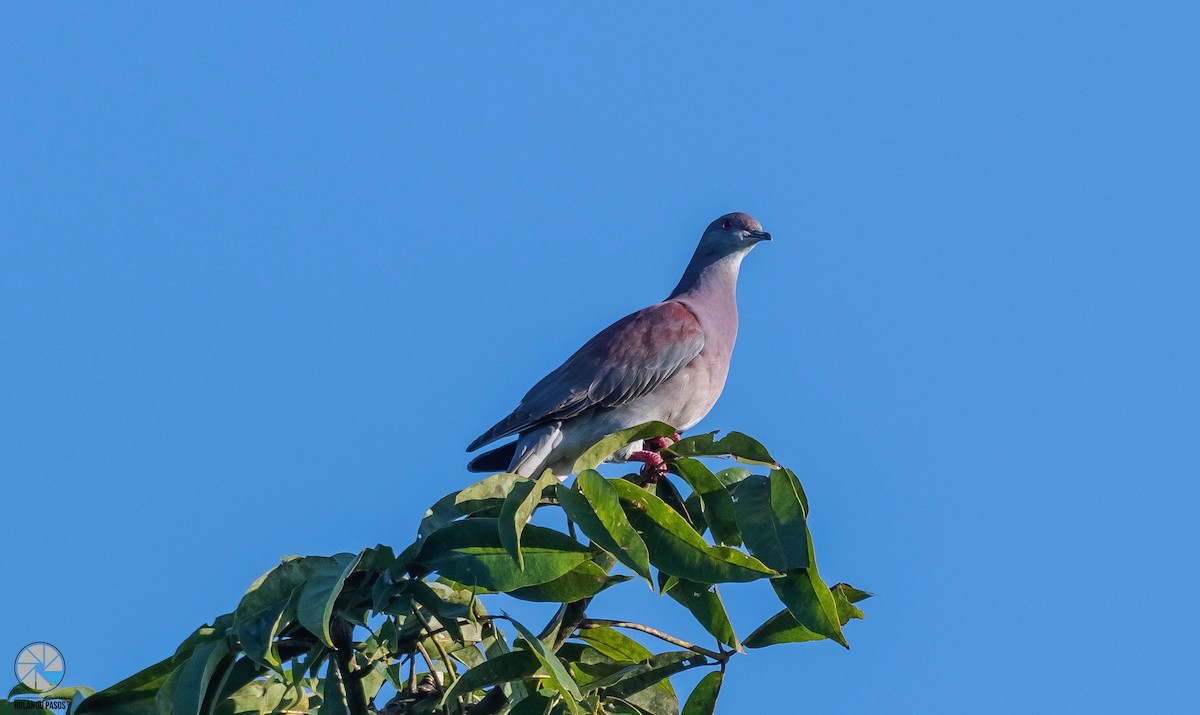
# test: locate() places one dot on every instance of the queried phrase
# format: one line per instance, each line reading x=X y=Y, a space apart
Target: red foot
x=656 y=444
x=653 y=466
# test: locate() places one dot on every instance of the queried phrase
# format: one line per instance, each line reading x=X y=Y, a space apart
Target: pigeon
x=665 y=363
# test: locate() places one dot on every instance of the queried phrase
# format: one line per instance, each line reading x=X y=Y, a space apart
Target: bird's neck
x=709 y=287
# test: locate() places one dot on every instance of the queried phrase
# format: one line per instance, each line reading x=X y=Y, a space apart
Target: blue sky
x=266 y=269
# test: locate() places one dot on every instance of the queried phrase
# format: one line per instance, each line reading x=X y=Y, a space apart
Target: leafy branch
x=720 y=657
x=381 y=632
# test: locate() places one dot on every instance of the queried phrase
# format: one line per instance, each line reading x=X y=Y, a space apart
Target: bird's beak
x=757 y=236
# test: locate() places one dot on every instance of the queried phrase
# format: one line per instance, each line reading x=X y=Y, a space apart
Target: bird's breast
x=683 y=399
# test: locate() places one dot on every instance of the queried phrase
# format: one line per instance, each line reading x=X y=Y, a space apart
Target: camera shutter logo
x=40 y=667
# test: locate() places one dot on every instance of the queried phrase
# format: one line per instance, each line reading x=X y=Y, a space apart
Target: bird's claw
x=657 y=444
x=654 y=467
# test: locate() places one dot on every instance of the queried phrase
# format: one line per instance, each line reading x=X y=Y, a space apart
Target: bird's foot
x=657 y=444
x=654 y=467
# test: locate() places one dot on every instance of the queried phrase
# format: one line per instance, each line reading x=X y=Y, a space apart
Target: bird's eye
x=727 y=224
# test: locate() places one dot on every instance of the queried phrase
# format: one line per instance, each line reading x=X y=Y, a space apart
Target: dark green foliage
x=595 y=508
x=324 y=635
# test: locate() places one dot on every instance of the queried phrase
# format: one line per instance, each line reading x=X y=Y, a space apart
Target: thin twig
x=451 y=672
x=412 y=673
x=602 y=622
x=429 y=662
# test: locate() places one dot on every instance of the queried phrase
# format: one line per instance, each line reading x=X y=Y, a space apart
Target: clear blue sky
x=266 y=269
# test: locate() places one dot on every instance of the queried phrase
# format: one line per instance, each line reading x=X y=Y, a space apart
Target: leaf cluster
x=334 y=634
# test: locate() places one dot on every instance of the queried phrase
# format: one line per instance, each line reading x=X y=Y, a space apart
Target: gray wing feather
x=625 y=361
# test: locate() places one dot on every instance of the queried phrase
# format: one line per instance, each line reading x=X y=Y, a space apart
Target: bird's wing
x=625 y=361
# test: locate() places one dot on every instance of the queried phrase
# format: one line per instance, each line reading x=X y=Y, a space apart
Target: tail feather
x=494 y=460
x=509 y=425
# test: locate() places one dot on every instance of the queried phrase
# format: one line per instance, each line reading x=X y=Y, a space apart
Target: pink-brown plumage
x=667 y=362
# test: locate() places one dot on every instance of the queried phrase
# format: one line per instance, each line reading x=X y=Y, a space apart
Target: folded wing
x=625 y=361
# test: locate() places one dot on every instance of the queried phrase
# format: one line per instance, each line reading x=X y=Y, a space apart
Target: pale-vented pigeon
x=667 y=363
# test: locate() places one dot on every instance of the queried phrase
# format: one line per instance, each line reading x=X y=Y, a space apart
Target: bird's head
x=732 y=233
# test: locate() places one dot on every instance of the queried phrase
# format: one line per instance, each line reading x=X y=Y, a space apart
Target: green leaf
x=810 y=602
x=616 y=706
x=486 y=494
x=649 y=672
x=517 y=510
x=495 y=645
x=780 y=628
x=404 y=560
x=617 y=653
x=493 y=642
x=559 y=677
x=694 y=505
x=703 y=700
x=676 y=548
x=845 y=596
x=705 y=604
x=783 y=627
x=503 y=668
x=584 y=581
x=447 y=614
x=771 y=518
x=852 y=594
x=602 y=450
x=653 y=700
x=718 y=504
x=134 y=695
x=793 y=480
x=235 y=678
x=537 y=703
x=470 y=553
x=664 y=489
x=379 y=559
x=192 y=683
x=222 y=626
x=514 y=516
x=808 y=599
x=731 y=476
x=264 y=696
x=269 y=606
x=845 y=609
x=614 y=644
x=165 y=697
x=596 y=509
x=743 y=448
x=320 y=592
x=373 y=681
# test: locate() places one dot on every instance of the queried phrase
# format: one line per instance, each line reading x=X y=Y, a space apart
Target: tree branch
x=429 y=662
x=451 y=672
x=720 y=656
x=342 y=632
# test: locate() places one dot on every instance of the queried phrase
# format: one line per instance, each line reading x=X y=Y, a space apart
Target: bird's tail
x=494 y=460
